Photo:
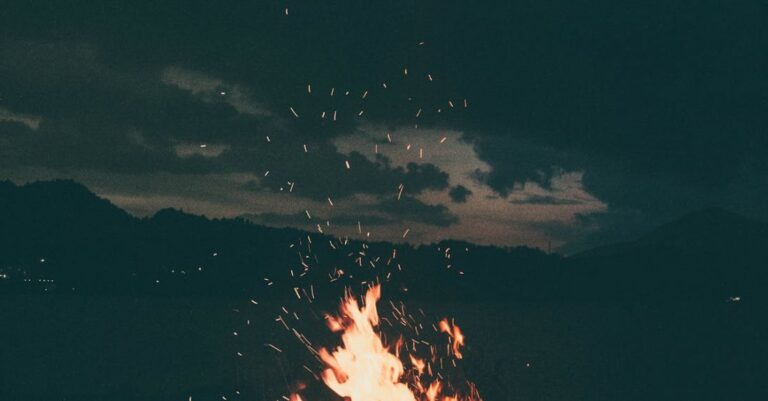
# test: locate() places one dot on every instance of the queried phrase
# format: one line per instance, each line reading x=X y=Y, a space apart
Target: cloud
x=212 y=89
x=459 y=194
x=182 y=121
x=656 y=118
x=184 y=150
x=544 y=200
x=514 y=161
x=322 y=173
x=29 y=121
x=412 y=209
x=300 y=219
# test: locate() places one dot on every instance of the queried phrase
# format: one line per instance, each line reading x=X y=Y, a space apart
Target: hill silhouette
x=59 y=236
x=708 y=253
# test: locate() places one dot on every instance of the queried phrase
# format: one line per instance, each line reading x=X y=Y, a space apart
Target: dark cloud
x=97 y=116
x=114 y=118
x=514 y=161
x=660 y=106
x=411 y=209
x=459 y=194
x=320 y=174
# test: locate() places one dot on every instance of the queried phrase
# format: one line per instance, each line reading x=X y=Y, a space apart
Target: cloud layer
x=511 y=125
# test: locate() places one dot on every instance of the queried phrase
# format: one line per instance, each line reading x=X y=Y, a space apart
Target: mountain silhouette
x=59 y=236
x=708 y=229
x=708 y=253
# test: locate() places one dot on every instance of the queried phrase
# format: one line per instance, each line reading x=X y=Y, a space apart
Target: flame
x=418 y=364
x=457 y=337
x=363 y=368
x=433 y=390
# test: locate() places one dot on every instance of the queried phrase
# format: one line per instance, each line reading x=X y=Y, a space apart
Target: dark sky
x=510 y=122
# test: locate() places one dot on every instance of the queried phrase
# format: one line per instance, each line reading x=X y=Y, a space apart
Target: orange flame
x=457 y=337
x=362 y=368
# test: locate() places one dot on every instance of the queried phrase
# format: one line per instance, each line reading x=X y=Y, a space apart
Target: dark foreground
x=97 y=348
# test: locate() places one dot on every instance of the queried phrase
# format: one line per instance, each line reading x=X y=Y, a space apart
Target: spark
x=273 y=347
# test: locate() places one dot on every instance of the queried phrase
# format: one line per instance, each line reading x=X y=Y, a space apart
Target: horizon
x=309 y=226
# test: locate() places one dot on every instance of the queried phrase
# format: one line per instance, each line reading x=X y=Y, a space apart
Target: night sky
x=511 y=123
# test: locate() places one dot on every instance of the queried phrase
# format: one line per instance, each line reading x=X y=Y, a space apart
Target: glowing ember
x=363 y=368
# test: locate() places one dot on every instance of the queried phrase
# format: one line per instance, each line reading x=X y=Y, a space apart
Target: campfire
x=365 y=368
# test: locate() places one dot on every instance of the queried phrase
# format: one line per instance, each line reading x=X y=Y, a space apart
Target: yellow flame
x=363 y=368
